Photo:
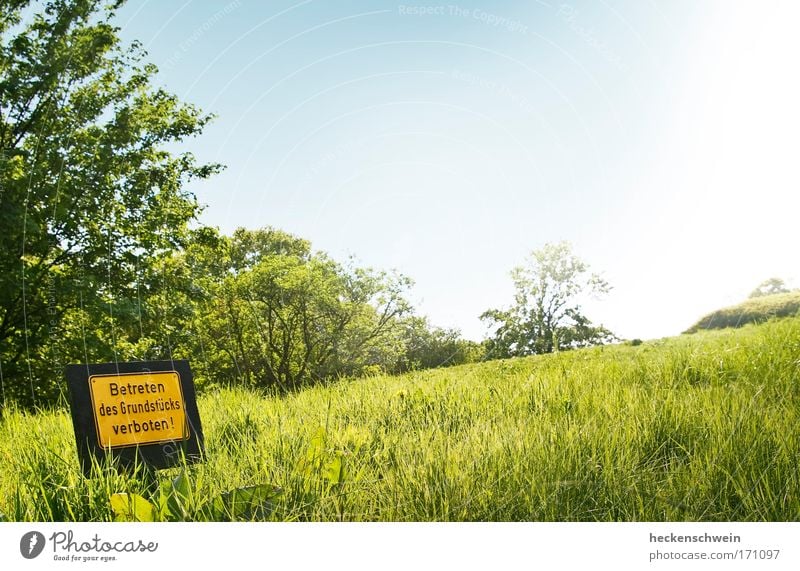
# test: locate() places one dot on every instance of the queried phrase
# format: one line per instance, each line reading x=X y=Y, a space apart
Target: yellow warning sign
x=138 y=408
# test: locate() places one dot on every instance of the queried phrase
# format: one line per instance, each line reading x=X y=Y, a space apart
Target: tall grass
x=702 y=427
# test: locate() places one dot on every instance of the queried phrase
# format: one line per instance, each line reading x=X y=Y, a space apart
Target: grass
x=755 y=310
x=702 y=427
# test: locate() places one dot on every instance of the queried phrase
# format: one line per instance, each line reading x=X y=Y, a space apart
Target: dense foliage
x=276 y=314
x=92 y=206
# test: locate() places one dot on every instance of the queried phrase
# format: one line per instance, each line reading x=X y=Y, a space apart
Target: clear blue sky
x=448 y=140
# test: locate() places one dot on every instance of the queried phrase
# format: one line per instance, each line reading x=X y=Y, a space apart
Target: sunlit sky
x=448 y=140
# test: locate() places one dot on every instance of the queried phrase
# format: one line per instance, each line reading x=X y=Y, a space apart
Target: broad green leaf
x=180 y=496
x=311 y=463
x=181 y=485
x=131 y=507
x=174 y=498
x=317 y=446
x=164 y=495
x=334 y=470
x=243 y=503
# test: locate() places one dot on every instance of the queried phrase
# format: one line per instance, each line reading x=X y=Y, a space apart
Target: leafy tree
x=92 y=205
x=279 y=315
x=546 y=314
x=769 y=287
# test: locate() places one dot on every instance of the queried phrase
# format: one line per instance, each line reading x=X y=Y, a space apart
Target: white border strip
x=378 y=546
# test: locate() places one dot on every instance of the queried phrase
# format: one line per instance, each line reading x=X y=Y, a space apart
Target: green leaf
x=164 y=494
x=180 y=496
x=182 y=485
x=311 y=463
x=175 y=498
x=244 y=503
x=131 y=507
x=333 y=471
x=317 y=446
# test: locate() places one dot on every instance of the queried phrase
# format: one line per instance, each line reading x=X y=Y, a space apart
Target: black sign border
x=159 y=455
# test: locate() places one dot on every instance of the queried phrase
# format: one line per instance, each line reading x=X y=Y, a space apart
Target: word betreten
x=135 y=388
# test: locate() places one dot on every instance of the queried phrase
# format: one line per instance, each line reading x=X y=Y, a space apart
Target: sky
x=447 y=141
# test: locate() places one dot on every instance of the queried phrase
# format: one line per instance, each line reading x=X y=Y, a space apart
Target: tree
x=769 y=287
x=92 y=205
x=278 y=315
x=546 y=314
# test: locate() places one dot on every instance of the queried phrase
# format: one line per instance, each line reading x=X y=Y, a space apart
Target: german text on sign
x=138 y=408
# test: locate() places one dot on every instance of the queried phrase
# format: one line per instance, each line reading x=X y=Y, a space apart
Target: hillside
x=700 y=427
x=756 y=310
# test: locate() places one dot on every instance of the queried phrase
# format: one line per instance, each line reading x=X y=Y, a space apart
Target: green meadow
x=698 y=427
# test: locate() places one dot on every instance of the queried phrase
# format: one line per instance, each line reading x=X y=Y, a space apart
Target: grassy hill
x=756 y=310
x=701 y=427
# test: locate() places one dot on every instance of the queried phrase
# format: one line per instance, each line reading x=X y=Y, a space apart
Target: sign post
x=143 y=411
